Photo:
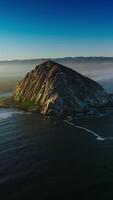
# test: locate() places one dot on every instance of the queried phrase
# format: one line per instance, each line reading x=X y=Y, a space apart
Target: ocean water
x=44 y=159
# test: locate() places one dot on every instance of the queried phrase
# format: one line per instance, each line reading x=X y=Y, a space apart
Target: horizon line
x=50 y=58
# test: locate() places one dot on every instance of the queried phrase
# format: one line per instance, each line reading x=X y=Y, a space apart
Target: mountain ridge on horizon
x=76 y=58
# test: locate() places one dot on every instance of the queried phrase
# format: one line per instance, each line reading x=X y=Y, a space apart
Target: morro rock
x=53 y=89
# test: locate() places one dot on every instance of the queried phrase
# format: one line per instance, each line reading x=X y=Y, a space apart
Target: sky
x=55 y=28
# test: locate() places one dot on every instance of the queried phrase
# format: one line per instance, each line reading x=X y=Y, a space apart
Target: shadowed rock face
x=54 y=89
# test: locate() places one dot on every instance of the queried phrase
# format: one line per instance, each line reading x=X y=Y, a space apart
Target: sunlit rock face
x=54 y=89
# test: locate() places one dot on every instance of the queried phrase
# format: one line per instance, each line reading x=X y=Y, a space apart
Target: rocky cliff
x=54 y=89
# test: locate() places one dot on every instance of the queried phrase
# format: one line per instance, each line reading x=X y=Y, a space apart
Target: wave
x=98 y=137
x=7 y=113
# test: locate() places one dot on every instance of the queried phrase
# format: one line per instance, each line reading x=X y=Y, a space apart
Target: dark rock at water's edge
x=55 y=90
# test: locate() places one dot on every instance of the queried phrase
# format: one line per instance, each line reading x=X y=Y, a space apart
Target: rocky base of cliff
x=9 y=102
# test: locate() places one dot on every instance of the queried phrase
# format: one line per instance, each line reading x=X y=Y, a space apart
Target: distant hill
x=59 y=60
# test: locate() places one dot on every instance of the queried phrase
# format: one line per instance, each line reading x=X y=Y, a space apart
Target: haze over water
x=98 y=71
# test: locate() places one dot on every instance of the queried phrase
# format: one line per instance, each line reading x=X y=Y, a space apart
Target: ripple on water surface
x=38 y=156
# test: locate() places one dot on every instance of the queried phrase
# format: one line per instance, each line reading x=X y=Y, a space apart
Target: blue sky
x=55 y=28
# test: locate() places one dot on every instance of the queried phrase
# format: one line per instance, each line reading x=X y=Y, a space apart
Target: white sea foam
x=98 y=137
x=7 y=113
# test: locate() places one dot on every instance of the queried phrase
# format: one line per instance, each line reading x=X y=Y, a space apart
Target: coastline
x=9 y=102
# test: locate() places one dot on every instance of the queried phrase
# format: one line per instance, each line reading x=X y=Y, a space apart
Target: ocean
x=44 y=159
x=48 y=159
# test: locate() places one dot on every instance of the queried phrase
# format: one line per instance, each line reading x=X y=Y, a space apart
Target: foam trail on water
x=98 y=137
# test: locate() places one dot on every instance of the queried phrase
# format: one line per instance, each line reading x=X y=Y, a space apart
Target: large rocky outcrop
x=54 y=89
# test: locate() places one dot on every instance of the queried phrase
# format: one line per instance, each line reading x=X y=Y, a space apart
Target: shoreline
x=9 y=102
